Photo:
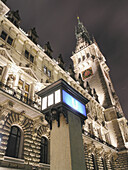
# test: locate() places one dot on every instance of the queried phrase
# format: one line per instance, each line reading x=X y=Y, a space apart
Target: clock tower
x=92 y=73
x=90 y=65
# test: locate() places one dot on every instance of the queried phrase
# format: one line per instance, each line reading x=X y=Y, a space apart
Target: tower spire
x=82 y=33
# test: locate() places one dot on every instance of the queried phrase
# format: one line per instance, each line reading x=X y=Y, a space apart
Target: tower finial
x=78 y=19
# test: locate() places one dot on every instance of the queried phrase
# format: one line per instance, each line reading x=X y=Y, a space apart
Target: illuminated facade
x=25 y=69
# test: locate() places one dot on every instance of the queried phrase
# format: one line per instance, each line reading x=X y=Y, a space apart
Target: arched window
x=14 y=143
x=44 y=150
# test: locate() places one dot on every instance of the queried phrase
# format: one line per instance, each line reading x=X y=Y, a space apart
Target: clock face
x=87 y=73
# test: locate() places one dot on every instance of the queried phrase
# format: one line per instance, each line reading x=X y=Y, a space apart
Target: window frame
x=44 y=150
x=29 y=56
x=49 y=73
x=2 y=34
x=9 y=40
x=17 y=146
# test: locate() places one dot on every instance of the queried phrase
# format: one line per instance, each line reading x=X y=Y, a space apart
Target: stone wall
x=31 y=142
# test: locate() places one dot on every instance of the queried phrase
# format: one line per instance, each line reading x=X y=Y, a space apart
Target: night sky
x=55 y=21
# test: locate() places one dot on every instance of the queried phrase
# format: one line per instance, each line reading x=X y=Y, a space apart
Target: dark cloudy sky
x=107 y=20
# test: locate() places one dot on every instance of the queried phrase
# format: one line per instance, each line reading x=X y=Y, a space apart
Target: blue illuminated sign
x=72 y=102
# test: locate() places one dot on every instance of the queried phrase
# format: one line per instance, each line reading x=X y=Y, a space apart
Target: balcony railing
x=98 y=139
x=20 y=96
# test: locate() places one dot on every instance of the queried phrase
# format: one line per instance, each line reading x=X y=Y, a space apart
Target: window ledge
x=11 y=159
x=44 y=165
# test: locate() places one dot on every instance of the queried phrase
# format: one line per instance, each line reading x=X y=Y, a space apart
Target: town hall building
x=27 y=69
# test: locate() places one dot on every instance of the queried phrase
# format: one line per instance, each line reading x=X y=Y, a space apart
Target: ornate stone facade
x=25 y=69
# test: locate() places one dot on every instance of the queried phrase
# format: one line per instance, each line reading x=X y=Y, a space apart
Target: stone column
x=66 y=145
x=15 y=83
x=32 y=91
x=5 y=74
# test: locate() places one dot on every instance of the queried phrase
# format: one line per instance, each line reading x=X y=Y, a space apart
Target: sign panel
x=73 y=103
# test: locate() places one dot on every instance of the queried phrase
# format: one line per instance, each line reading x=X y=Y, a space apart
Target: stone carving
x=124 y=130
x=38 y=123
x=4 y=53
x=4 y=112
x=22 y=117
x=30 y=72
x=109 y=155
x=3 y=9
x=100 y=152
x=54 y=114
x=10 y=80
x=91 y=148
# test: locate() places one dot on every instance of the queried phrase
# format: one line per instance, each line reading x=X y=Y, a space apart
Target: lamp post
x=65 y=111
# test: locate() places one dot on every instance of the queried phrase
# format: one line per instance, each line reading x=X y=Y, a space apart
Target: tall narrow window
x=13 y=146
x=104 y=164
x=49 y=73
x=44 y=150
x=3 y=35
x=9 y=40
x=45 y=69
x=32 y=58
x=94 y=162
x=26 y=92
x=26 y=54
